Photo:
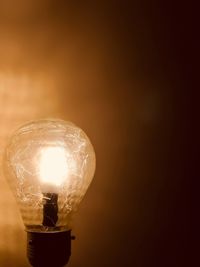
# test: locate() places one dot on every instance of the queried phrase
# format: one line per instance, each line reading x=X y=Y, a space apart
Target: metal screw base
x=49 y=249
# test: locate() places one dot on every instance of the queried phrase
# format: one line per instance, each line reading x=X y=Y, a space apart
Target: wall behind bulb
x=114 y=69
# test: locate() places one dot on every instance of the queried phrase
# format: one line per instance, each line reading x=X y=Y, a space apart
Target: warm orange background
x=113 y=69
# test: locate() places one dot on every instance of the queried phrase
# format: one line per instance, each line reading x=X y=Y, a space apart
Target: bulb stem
x=50 y=209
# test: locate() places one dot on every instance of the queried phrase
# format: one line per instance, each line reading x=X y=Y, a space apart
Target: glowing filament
x=53 y=167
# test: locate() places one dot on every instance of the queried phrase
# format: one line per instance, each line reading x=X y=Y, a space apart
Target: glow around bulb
x=49 y=165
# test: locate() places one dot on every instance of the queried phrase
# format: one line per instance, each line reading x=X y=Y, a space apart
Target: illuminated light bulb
x=49 y=165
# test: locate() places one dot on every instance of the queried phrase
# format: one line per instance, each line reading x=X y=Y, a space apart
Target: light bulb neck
x=49 y=249
x=50 y=209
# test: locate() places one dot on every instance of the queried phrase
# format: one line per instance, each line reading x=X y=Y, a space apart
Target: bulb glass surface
x=49 y=156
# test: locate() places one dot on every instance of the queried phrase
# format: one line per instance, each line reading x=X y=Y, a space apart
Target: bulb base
x=52 y=249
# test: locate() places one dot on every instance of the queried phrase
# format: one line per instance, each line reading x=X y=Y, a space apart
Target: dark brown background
x=118 y=69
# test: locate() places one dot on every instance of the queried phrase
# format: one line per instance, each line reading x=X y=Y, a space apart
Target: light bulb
x=49 y=165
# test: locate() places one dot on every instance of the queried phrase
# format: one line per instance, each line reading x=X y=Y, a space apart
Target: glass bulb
x=49 y=165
